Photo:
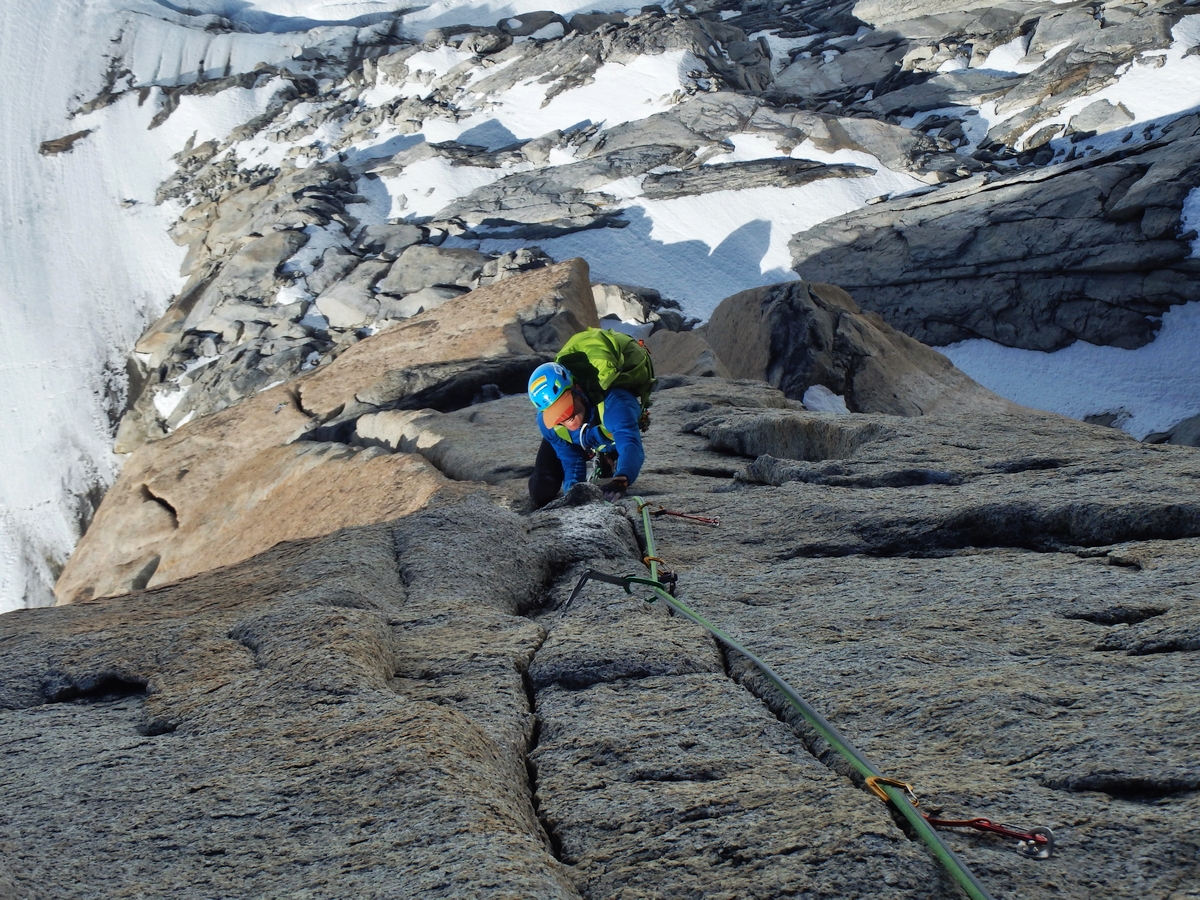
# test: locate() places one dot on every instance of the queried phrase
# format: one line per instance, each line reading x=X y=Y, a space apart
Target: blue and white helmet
x=548 y=382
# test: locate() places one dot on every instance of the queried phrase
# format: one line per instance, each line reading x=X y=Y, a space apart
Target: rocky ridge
x=292 y=257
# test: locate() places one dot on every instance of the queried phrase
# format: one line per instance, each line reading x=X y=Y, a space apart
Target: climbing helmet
x=550 y=390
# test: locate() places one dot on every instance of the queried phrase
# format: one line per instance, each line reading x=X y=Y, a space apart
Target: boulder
x=423 y=265
x=1185 y=433
x=585 y=23
x=417 y=302
x=524 y=259
x=891 y=12
x=684 y=353
x=388 y=241
x=485 y=42
x=617 y=300
x=836 y=72
x=351 y=302
x=1099 y=117
x=558 y=201
x=336 y=263
x=1066 y=27
x=799 y=334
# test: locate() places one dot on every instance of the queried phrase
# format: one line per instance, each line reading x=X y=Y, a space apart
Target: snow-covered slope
x=82 y=271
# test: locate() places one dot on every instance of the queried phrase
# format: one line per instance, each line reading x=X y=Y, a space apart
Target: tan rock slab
x=228 y=486
x=483 y=324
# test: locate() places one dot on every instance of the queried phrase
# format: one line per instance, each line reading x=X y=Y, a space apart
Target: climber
x=592 y=401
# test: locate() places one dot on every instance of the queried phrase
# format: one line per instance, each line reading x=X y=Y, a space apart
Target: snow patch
x=1189 y=220
x=425 y=187
x=819 y=398
x=1157 y=385
x=618 y=93
x=1009 y=59
x=746 y=148
x=166 y=402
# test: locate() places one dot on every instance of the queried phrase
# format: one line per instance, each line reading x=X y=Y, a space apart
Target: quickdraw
x=1037 y=843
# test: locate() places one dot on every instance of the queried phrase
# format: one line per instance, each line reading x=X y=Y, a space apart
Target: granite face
x=999 y=608
x=1086 y=250
x=315 y=643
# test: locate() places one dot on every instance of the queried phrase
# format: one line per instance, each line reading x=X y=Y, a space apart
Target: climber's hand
x=615 y=488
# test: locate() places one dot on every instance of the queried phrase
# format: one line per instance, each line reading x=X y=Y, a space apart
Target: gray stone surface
x=740 y=176
x=799 y=334
x=1186 y=433
x=389 y=241
x=545 y=204
x=422 y=266
x=289 y=727
x=531 y=23
x=1000 y=609
x=336 y=263
x=351 y=302
x=1089 y=250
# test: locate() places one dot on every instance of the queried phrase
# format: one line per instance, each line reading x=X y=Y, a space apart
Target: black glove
x=615 y=488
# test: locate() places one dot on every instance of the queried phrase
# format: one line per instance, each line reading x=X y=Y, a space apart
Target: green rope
x=900 y=799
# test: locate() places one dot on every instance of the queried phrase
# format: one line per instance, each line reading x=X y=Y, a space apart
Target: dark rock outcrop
x=1186 y=433
x=800 y=334
x=1090 y=250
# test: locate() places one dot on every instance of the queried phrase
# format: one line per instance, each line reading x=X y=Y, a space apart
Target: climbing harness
x=1038 y=843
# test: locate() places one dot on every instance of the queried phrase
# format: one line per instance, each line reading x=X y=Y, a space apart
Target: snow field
x=1149 y=389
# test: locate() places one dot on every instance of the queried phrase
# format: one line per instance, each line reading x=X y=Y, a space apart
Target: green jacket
x=602 y=360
